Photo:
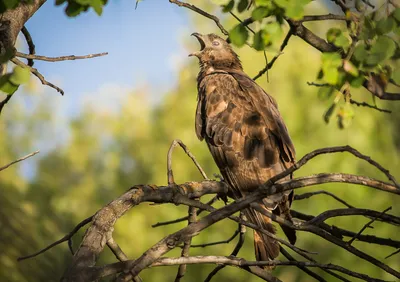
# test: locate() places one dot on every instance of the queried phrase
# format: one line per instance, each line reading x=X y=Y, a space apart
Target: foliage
x=366 y=46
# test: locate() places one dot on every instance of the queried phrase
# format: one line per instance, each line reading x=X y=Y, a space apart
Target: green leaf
x=336 y=36
x=11 y=4
x=97 y=6
x=357 y=82
x=238 y=35
x=350 y=68
x=6 y=86
x=330 y=64
x=19 y=75
x=220 y=2
x=383 y=49
x=73 y=9
x=265 y=3
x=228 y=7
x=385 y=26
x=329 y=112
x=396 y=75
x=273 y=31
x=258 y=43
x=325 y=92
x=345 y=116
x=259 y=13
x=59 y=2
x=396 y=14
x=243 y=4
x=360 y=53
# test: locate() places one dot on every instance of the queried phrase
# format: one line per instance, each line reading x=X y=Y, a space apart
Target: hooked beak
x=202 y=44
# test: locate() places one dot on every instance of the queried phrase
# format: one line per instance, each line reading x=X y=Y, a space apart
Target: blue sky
x=142 y=46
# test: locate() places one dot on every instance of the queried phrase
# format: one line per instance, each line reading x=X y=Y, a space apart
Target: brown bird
x=245 y=134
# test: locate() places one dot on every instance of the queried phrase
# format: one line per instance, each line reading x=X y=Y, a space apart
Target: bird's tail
x=265 y=247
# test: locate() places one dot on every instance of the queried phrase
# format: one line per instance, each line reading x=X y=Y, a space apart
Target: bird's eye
x=215 y=43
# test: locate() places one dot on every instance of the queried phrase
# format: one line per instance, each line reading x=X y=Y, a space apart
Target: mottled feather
x=245 y=134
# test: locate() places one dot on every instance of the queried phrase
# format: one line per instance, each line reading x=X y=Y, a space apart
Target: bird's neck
x=207 y=68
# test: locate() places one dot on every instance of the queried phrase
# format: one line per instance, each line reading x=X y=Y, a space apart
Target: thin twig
x=170 y=174
x=242 y=230
x=392 y=254
x=354 y=211
x=201 y=12
x=364 y=104
x=227 y=241
x=63 y=239
x=367 y=225
x=4 y=102
x=58 y=59
x=199 y=211
x=271 y=63
x=186 y=245
x=37 y=74
x=19 y=160
x=307 y=195
x=302 y=267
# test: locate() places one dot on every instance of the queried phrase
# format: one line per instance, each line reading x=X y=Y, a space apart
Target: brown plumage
x=245 y=134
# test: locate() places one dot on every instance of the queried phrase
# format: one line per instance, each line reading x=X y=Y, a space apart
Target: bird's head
x=215 y=52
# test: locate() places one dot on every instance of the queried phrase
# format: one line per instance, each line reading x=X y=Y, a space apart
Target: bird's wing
x=243 y=129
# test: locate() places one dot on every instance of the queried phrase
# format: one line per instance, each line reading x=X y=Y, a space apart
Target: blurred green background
x=90 y=157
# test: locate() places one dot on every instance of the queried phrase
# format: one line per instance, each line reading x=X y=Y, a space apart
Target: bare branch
x=31 y=45
x=212 y=201
x=302 y=267
x=339 y=232
x=367 y=225
x=170 y=174
x=331 y=150
x=186 y=245
x=318 y=231
x=240 y=262
x=323 y=18
x=58 y=59
x=363 y=104
x=19 y=160
x=239 y=245
x=227 y=241
x=201 y=12
x=303 y=196
x=36 y=73
x=63 y=239
x=4 y=102
x=354 y=211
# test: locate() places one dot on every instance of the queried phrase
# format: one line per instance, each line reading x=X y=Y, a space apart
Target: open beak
x=202 y=44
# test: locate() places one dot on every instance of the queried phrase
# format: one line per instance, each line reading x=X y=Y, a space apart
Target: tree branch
x=19 y=160
x=201 y=12
x=58 y=59
x=36 y=73
x=63 y=239
x=240 y=262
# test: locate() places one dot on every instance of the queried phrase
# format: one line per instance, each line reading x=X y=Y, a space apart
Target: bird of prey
x=245 y=134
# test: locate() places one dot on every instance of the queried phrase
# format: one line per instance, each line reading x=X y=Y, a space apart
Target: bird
x=245 y=134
